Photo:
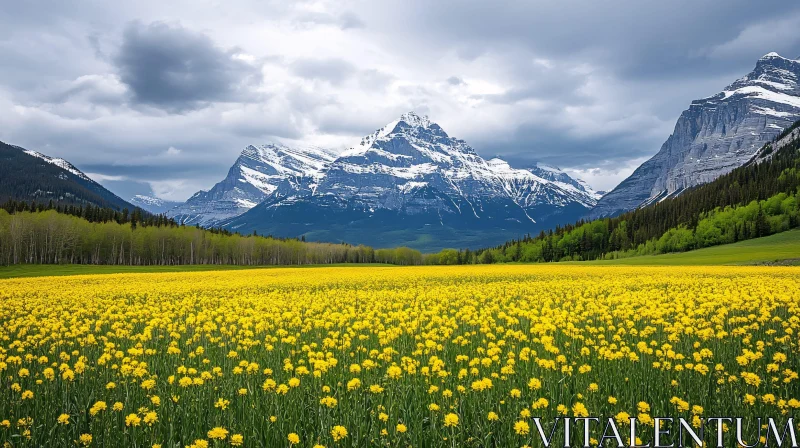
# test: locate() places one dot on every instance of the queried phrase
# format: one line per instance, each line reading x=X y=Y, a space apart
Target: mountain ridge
x=412 y=171
x=713 y=136
x=27 y=175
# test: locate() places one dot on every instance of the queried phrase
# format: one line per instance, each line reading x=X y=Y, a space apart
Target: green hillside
x=783 y=248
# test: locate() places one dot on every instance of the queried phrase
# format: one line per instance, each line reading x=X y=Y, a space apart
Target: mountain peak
x=714 y=136
x=773 y=60
x=413 y=119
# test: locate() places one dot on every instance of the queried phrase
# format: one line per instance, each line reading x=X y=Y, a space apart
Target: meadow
x=389 y=356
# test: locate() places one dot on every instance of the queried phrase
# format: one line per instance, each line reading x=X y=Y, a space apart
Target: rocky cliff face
x=714 y=136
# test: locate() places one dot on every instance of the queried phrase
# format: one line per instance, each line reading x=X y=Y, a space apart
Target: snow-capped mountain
x=153 y=204
x=257 y=173
x=410 y=179
x=714 y=136
x=412 y=154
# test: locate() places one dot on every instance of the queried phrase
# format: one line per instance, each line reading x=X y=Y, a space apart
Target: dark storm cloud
x=634 y=38
x=171 y=67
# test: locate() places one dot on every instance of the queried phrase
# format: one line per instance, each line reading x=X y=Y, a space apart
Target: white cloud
x=97 y=177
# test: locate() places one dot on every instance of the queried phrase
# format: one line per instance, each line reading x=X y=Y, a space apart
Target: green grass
x=77 y=269
x=782 y=247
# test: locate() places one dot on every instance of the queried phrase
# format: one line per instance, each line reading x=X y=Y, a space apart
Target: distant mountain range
x=714 y=136
x=408 y=183
x=29 y=176
x=258 y=172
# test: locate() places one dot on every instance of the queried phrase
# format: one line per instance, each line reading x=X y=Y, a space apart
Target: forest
x=38 y=235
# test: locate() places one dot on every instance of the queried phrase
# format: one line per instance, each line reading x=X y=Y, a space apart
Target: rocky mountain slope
x=27 y=175
x=257 y=173
x=411 y=183
x=714 y=136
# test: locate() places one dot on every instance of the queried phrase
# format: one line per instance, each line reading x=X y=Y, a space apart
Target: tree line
x=754 y=200
x=51 y=234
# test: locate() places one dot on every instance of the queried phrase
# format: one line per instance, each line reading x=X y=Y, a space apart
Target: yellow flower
x=97 y=407
x=27 y=395
x=221 y=404
x=217 y=433
x=117 y=406
x=85 y=439
x=401 y=428
x=492 y=417
x=522 y=428
x=353 y=384
x=394 y=372
x=293 y=438
x=451 y=420
x=132 y=420
x=329 y=402
x=150 y=418
x=63 y=419
x=237 y=440
x=579 y=410
x=111 y=385
x=338 y=433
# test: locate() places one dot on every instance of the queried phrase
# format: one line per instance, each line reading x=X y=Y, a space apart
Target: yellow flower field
x=420 y=356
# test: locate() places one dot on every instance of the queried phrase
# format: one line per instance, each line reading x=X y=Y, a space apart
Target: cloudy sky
x=159 y=96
